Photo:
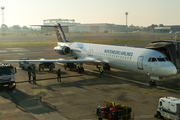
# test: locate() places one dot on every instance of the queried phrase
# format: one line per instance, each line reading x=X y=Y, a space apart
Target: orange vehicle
x=114 y=111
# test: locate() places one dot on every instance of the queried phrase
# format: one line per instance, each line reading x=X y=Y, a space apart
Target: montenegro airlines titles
x=138 y=60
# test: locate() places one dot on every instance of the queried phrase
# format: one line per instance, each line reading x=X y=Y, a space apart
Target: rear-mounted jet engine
x=63 y=50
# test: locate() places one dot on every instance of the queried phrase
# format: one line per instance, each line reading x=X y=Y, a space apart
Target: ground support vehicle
x=114 y=111
x=7 y=79
x=71 y=66
x=26 y=65
x=169 y=107
x=74 y=66
x=49 y=65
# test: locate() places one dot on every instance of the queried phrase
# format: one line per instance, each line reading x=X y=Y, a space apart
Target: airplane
x=139 y=60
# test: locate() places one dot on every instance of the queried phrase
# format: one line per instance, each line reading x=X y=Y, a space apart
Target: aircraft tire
x=82 y=70
x=150 y=83
x=159 y=115
x=79 y=70
x=29 y=68
x=14 y=87
x=154 y=83
x=105 y=68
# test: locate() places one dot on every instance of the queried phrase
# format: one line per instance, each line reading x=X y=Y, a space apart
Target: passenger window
x=154 y=60
x=149 y=60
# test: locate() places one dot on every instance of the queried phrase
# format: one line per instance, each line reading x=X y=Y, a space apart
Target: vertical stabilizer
x=60 y=34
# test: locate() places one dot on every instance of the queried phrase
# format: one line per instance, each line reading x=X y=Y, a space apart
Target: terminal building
x=167 y=29
x=91 y=28
x=162 y=29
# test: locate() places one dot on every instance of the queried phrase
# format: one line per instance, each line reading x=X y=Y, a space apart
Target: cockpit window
x=154 y=60
x=149 y=60
x=161 y=59
x=167 y=58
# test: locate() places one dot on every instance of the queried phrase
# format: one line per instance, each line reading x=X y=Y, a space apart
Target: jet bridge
x=168 y=47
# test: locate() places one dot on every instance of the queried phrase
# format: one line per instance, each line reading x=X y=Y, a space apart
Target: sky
x=140 y=12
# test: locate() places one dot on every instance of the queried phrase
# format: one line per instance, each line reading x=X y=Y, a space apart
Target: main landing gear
x=105 y=68
x=152 y=83
x=80 y=69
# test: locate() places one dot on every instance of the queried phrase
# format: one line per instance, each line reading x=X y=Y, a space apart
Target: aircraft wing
x=85 y=60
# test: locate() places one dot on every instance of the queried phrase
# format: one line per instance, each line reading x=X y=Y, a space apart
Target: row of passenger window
x=152 y=59
x=115 y=56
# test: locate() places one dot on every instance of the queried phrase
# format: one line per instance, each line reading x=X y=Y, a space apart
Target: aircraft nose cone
x=171 y=70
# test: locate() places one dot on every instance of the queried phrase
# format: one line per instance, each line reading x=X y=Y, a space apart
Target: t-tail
x=59 y=32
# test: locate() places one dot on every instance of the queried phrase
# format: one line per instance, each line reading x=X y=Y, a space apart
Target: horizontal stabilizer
x=59 y=31
x=55 y=25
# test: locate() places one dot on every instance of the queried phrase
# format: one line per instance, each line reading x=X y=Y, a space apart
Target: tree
x=16 y=28
x=24 y=28
x=151 y=28
x=161 y=25
x=4 y=27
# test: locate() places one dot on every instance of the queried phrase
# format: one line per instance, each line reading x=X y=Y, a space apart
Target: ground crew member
x=58 y=75
x=34 y=76
x=101 y=71
x=51 y=68
x=29 y=75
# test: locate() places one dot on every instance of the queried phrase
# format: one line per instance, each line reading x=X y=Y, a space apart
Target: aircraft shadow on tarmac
x=30 y=103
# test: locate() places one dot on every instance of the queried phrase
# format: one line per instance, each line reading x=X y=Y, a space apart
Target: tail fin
x=59 y=32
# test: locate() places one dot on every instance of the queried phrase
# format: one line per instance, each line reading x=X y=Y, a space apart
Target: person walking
x=34 y=76
x=101 y=71
x=51 y=67
x=59 y=75
x=29 y=75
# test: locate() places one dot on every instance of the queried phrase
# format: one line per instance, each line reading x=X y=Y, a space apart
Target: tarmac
x=77 y=96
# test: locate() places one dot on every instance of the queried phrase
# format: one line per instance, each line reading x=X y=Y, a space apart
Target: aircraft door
x=140 y=62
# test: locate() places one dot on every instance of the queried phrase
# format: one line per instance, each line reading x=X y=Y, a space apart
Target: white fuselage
x=139 y=60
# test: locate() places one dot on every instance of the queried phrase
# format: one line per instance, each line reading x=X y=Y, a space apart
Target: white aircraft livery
x=139 y=60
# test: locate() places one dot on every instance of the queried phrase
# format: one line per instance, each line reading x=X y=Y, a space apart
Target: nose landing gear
x=152 y=83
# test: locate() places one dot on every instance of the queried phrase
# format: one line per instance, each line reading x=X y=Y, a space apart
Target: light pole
x=126 y=13
x=3 y=25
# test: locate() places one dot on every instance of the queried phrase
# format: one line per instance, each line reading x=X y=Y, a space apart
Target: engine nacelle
x=63 y=50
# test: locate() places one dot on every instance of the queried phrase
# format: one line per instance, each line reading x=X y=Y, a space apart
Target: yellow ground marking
x=146 y=84
x=148 y=93
x=129 y=88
